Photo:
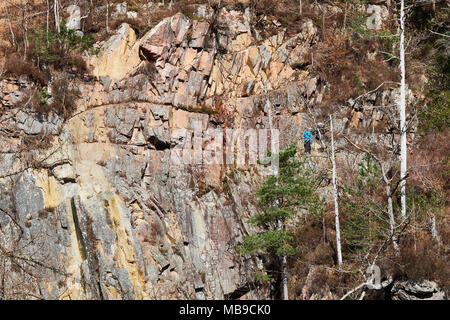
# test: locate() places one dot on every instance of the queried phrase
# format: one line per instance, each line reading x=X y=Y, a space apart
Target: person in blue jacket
x=308 y=140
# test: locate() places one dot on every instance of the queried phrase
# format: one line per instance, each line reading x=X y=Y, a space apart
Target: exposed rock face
x=377 y=14
x=119 y=55
x=74 y=20
x=111 y=215
x=123 y=220
x=128 y=222
x=417 y=290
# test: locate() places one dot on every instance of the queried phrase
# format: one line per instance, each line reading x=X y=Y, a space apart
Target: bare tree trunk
x=285 y=283
x=300 y=6
x=391 y=215
x=148 y=13
x=56 y=13
x=336 y=208
x=284 y=279
x=25 y=29
x=10 y=27
x=434 y=232
x=47 y=18
x=402 y=109
x=107 y=16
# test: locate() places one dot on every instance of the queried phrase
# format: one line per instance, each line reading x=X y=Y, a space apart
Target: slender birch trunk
x=107 y=17
x=56 y=13
x=284 y=270
x=336 y=208
x=434 y=232
x=13 y=38
x=402 y=109
x=47 y=18
x=391 y=215
x=25 y=29
x=285 y=284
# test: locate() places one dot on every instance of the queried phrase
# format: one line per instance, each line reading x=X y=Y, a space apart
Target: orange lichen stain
x=48 y=185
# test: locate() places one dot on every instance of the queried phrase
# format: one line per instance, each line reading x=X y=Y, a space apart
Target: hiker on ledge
x=320 y=132
x=308 y=140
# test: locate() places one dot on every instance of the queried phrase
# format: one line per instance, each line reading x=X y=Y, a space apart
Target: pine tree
x=280 y=198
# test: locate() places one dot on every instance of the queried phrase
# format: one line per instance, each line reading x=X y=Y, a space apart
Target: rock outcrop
x=74 y=20
x=119 y=56
x=417 y=290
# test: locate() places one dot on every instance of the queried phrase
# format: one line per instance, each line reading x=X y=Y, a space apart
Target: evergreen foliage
x=56 y=47
x=280 y=199
x=365 y=216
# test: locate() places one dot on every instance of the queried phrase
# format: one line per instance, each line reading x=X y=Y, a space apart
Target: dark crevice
x=144 y=170
x=240 y=291
x=80 y=240
x=300 y=66
x=164 y=268
x=100 y=291
x=158 y=144
x=68 y=180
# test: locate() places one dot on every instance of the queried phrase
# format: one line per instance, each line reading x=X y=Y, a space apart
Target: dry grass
x=16 y=66
x=63 y=99
x=421 y=257
x=429 y=163
x=342 y=61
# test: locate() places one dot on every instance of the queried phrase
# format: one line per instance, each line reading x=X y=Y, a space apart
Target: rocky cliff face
x=104 y=205
x=102 y=211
